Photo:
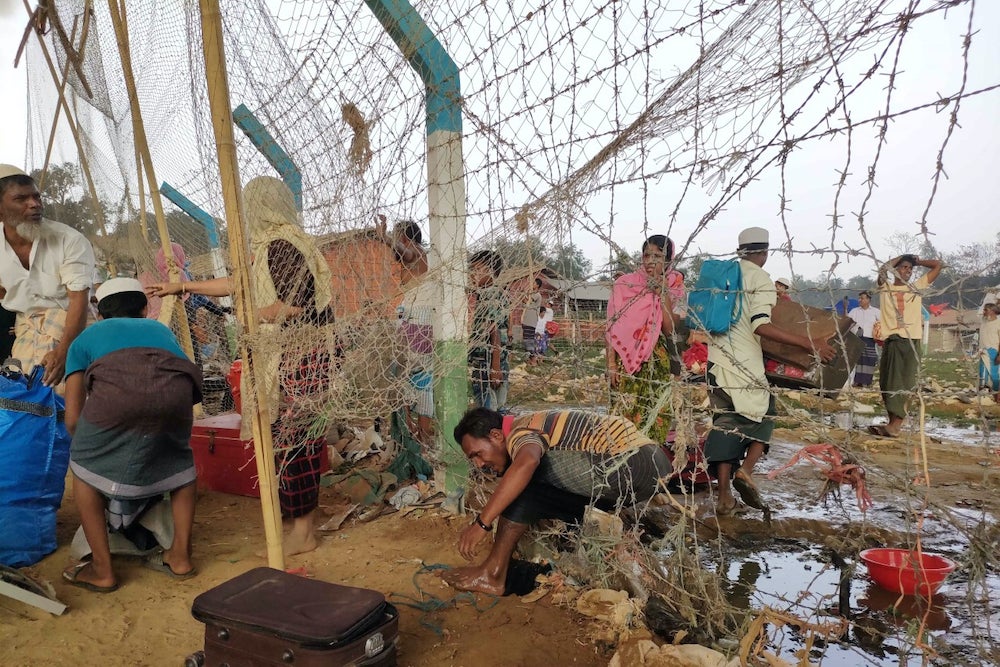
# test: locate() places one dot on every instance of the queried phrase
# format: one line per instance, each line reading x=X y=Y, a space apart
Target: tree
x=65 y=201
x=570 y=262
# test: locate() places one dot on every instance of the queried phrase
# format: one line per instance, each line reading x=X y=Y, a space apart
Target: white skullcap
x=10 y=170
x=754 y=236
x=117 y=286
x=784 y=281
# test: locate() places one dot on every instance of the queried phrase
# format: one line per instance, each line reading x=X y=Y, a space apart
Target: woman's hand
x=164 y=289
x=382 y=228
x=277 y=312
x=496 y=378
x=612 y=374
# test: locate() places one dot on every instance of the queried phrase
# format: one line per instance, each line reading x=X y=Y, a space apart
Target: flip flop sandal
x=156 y=563
x=880 y=431
x=748 y=492
x=71 y=577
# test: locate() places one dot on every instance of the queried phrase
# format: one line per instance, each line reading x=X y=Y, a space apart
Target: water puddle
x=799 y=579
x=937 y=428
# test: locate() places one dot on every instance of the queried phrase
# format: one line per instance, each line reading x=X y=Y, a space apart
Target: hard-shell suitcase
x=266 y=617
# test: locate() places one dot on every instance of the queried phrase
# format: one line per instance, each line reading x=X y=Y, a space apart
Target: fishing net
x=585 y=125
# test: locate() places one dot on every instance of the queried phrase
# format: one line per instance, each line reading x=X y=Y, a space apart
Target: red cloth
x=696 y=354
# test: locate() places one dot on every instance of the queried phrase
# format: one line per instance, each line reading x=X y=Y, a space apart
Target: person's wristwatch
x=479 y=522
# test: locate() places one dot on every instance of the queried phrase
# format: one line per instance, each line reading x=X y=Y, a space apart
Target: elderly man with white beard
x=46 y=271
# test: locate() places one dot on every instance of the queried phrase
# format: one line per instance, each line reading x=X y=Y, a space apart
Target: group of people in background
x=46 y=272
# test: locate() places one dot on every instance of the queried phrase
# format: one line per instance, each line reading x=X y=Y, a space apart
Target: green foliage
x=66 y=201
x=567 y=260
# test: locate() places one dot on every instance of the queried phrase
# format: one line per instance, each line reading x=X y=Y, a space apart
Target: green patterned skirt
x=644 y=397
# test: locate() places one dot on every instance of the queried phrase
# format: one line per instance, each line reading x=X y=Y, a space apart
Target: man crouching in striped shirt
x=552 y=465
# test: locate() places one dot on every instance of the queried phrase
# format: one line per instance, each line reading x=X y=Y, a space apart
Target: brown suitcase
x=266 y=617
x=814 y=323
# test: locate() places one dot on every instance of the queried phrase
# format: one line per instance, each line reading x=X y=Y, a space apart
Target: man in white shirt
x=46 y=269
x=865 y=317
x=742 y=404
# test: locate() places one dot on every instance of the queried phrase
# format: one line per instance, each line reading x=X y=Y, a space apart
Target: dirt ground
x=148 y=621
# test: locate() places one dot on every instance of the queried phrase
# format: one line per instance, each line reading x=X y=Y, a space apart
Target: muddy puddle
x=937 y=428
x=795 y=564
x=797 y=578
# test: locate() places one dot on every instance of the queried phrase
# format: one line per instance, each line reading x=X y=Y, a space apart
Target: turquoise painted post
x=270 y=149
x=202 y=216
x=193 y=210
x=446 y=204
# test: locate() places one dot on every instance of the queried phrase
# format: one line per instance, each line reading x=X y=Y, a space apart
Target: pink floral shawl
x=634 y=320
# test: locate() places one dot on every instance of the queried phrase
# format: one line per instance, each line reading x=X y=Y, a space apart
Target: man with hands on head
x=901 y=317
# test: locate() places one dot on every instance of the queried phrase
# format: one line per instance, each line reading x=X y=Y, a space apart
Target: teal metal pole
x=447 y=210
x=270 y=149
x=193 y=210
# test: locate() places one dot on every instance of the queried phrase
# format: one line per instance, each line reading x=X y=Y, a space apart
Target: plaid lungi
x=37 y=333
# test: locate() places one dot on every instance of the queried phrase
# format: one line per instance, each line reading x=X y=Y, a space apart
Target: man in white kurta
x=740 y=397
x=46 y=270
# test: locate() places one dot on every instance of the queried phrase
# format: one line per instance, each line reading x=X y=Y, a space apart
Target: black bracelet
x=479 y=522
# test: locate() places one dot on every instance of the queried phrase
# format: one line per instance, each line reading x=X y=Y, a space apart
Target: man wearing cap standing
x=46 y=270
x=781 y=286
x=742 y=403
x=130 y=391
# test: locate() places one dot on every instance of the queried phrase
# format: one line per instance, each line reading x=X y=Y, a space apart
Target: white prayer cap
x=784 y=281
x=754 y=238
x=117 y=286
x=10 y=170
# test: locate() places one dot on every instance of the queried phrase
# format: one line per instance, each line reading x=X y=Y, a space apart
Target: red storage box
x=223 y=461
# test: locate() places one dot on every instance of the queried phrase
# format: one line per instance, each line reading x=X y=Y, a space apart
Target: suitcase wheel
x=196 y=659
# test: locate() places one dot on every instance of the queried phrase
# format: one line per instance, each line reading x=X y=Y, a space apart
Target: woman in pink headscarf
x=641 y=321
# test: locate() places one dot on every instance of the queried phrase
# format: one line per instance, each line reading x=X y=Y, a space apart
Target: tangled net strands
x=573 y=111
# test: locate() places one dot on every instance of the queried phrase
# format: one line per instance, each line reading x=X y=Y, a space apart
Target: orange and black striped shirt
x=574 y=430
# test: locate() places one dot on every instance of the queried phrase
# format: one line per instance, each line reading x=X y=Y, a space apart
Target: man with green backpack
x=739 y=292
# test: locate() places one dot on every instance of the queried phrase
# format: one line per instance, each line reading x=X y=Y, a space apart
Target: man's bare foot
x=474 y=579
x=295 y=543
x=725 y=506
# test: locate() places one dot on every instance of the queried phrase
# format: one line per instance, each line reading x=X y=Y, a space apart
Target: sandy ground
x=148 y=621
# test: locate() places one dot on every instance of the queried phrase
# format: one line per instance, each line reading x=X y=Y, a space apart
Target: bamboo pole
x=55 y=117
x=222 y=123
x=119 y=19
x=74 y=130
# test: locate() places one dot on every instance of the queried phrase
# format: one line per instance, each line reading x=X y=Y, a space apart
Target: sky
x=966 y=204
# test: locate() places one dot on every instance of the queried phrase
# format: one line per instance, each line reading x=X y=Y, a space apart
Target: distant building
x=950 y=331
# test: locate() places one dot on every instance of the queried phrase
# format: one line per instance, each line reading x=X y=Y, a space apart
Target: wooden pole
x=74 y=129
x=55 y=117
x=222 y=123
x=145 y=165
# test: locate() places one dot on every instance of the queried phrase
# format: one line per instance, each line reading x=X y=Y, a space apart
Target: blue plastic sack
x=34 y=456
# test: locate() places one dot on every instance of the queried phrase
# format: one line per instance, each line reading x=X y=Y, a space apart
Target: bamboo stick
x=55 y=117
x=74 y=130
x=119 y=20
x=222 y=123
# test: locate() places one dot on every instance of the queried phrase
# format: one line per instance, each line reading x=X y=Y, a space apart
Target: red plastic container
x=233 y=379
x=906 y=572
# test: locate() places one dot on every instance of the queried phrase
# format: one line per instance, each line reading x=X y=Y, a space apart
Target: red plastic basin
x=906 y=572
